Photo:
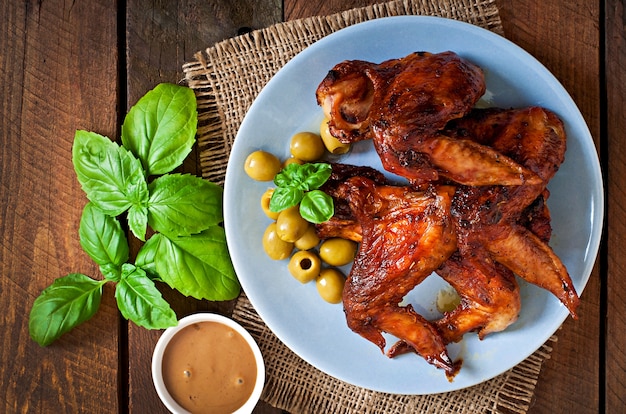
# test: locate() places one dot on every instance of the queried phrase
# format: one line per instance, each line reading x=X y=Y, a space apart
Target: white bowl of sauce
x=208 y=363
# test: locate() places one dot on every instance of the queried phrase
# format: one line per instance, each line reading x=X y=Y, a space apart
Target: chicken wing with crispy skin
x=403 y=105
x=478 y=218
x=495 y=218
x=489 y=293
x=500 y=229
x=490 y=300
x=406 y=234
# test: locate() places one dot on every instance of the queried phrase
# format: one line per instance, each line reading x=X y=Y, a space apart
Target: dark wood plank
x=161 y=36
x=58 y=73
x=564 y=36
x=615 y=51
x=58 y=70
x=295 y=9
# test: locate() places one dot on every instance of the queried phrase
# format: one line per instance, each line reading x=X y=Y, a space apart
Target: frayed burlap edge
x=227 y=78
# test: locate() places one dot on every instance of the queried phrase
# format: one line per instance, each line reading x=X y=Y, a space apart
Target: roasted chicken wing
x=490 y=300
x=403 y=105
x=406 y=235
x=495 y=219
x=475 y=211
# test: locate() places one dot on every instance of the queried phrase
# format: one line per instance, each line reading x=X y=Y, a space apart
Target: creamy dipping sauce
x=209 y=368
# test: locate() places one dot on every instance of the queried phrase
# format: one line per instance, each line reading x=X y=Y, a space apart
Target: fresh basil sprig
x=299 y=184
x=187 y=249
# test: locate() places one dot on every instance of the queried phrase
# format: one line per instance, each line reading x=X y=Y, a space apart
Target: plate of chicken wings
x=471 y=169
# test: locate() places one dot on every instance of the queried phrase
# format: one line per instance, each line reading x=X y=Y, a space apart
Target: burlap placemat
x=226 y=78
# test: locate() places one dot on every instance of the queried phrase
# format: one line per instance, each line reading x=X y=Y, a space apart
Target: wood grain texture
x=615 y=50
x=295 y=9
x=565 y=37
x=160 y=37
x=58 y=73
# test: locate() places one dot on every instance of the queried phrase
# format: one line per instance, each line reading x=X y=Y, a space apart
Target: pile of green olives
x=310 y=259
x=291 y=237
x=304 y=147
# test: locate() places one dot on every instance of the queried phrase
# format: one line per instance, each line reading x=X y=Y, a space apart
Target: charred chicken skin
x=403 y=105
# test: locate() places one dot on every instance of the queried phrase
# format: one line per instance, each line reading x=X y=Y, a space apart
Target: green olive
x=337 y=251
x=305 y=266
x=308 y=240
x=290 y=225
x=274 y=246
x=262 y=166
x=307 y=146
x=330 y=284
x=292 y=160
x=332 y=144
x=265 y=204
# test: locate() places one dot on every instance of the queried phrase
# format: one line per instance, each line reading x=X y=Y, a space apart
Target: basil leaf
x=316 y=175
x=102 y=238
x=198 y=265
x=111 y=272
x=146 y=257
x=112 y=178
x=181 y=205
x=289 y=176
x=140 y=301
x=303 y=176
x=293 y=184
x=283 y=198
x=65 y=304
x=316 y=207
x=138 y=221
x=160 y=128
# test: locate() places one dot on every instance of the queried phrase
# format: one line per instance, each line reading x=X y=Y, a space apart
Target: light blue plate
x=316 y=330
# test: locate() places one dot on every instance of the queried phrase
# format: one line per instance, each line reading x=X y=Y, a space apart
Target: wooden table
x=79 y=65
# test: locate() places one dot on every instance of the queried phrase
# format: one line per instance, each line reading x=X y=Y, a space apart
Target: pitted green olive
x=305 y=266
x=274 y=246
x=337 y=251
x=330 y=283
x=265 y=204
x=307 y=146
x=290 y=225
x=262 y=166
x=332 y=144
x=308 y=240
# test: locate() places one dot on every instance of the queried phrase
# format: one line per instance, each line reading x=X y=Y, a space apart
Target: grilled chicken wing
x=478 y=218
x=403 y=105
x=495 y=218
x=500 y=229
x=490 y=298
x=405 y=236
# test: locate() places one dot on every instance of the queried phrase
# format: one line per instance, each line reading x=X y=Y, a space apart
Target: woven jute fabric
x=226 y=78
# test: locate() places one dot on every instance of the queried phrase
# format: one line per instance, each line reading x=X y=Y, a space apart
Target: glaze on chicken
x=474 y=212
x=403 y=105
x=406 y=235
x=495 y=218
